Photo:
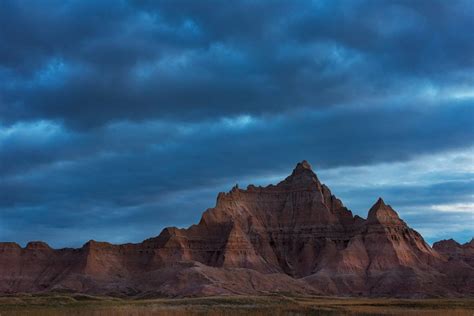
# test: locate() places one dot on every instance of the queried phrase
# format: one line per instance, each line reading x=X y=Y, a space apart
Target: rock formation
x=455 y=251
x=295 y=236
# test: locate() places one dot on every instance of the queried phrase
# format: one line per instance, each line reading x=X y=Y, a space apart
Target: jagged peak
x=379 y=204
x=383 y=213
x=380 y=200
x=301 y=166
x=302 y=176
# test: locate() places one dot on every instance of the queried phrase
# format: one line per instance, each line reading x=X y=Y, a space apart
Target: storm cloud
x=118 y=118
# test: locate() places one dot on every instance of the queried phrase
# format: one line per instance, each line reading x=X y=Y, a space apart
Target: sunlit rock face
x=294 y=236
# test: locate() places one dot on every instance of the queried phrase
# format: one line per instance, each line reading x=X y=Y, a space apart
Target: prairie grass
x=275 y=305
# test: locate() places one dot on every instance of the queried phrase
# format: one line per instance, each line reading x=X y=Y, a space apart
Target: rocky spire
x=302 y=166
x=301 y=177
x=383 y=214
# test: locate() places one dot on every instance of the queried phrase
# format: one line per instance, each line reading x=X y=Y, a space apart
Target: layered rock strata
x=295 y=236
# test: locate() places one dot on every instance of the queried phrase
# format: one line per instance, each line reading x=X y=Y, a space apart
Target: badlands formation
x=295 y=237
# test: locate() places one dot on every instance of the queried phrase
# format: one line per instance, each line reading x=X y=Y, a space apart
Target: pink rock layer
x=295 y=237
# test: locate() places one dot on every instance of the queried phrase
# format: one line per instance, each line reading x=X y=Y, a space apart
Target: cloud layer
x=119 y=118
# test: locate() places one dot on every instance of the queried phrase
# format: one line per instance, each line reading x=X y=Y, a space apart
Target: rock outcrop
x=452 y=250
x=295 y=236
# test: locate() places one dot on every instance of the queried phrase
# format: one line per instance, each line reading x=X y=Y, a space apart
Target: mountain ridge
x=294 y=236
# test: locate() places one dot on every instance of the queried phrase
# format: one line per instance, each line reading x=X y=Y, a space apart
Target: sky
x=119 y=118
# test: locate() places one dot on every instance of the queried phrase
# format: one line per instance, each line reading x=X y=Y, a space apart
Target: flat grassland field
x=78 y=304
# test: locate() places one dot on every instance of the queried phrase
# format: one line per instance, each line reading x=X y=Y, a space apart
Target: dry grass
x=79 y=304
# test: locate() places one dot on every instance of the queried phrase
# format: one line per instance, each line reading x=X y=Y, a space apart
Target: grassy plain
x=275 y=305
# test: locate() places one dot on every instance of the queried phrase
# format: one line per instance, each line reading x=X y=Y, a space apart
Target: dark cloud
x=125 y=111
x=127 y=172
x=84 y=63
x=331 y=138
